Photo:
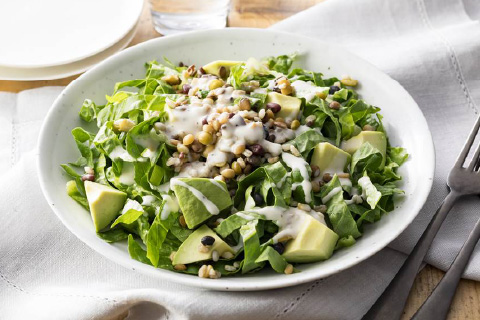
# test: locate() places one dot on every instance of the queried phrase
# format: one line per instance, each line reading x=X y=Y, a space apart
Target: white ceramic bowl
x=404 y=121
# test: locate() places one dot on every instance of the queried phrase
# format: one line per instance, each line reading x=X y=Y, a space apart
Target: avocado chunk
x=189 y=253
x=214 y=67
x=105 y=203
x=329 y=158
x=290 y=105
x=314 y=242
x=376 y=138
x=200 y=198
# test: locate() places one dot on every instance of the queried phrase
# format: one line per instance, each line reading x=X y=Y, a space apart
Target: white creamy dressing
x=271 y=84
x=283 y=134
x=302 y=129
x=211 y=207
x=261 y=90
x=306 y=89
x=148 y=154
x=356 y=199
x=345 y=182
x=282 y=181
x=148 y=200
x=364 y=183
x=195 y=169
x=147 y=140
x=150 y=142
x=331 y=194
x=171 y=205
x=119 y=153
x=239 y=246
x=218 y=184
x=298 y=163
x=225 y=96
x=127 y=177
x=245 y=216
x=289 y=220
x=318 y=216
x=236 y=132
x=132 y=204
x=186 y=119
x=164 y=187
x=202 y=82
x=250 y=203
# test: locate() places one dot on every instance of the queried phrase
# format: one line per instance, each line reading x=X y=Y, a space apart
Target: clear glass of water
x=175 y=16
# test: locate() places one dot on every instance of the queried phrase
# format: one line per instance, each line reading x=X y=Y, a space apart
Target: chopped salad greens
x=233 y=166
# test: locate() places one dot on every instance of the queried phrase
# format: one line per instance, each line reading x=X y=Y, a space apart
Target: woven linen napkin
x=430 y=47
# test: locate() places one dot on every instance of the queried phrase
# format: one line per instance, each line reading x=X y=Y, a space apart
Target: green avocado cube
x=189 y=253
x=330 y=159
x=314 y=242
x=200 y=198
x=214 y=67
x=376 y=138
x=105 y=203
x=290 y=105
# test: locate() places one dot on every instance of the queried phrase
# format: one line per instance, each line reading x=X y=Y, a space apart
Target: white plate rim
x=290 y=280
x=66 y=70
x=119 y=37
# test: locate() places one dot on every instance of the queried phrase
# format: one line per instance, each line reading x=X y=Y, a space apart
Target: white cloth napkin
x=431 y=46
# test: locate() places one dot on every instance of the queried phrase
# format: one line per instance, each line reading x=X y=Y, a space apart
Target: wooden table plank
x=262 y=14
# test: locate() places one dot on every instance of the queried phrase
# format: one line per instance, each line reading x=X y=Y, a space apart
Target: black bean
x=186 y=88
x=88 y=177
x=257 y=197
x=222 y=72
x=208 y=240
x=254 y=161
x=180 y=64
x=279 y=247
x=201 y=71
x=230 y=115
x=333 y=89
x=271 y=138
x=257 y=149
x=275 y=107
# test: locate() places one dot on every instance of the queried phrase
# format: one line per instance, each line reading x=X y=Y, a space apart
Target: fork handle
x=438 y=303
x=391 y=303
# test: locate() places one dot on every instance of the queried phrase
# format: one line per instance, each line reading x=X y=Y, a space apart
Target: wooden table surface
x=261 y=14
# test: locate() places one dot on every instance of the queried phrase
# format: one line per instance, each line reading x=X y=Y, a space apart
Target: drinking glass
x=175 y=16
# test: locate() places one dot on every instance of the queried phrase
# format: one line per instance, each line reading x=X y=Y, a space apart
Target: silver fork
x=462 y=181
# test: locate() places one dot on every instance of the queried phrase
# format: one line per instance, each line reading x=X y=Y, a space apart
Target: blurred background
x=36 y=52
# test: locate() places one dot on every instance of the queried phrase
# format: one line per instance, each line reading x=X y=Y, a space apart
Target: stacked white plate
x=52 y=39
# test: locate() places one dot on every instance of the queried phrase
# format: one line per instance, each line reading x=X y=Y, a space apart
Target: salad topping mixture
x=233 y=166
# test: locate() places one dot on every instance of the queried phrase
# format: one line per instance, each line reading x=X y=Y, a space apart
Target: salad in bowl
x=233 y=166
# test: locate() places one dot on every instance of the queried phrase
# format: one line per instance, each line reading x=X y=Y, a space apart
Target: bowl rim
x=224 y=284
